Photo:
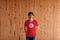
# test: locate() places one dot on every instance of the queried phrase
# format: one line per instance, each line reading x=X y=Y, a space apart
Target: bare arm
x=37 y=27
x=25 y=29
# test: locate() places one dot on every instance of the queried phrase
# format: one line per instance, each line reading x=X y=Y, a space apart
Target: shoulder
x=26 y=21
x=35 y=20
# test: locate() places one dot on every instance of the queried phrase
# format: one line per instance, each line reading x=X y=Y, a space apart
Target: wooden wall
x=13 y=13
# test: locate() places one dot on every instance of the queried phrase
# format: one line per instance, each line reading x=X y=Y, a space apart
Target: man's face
x=31 y=16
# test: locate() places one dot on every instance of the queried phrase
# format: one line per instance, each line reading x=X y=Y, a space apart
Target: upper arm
x=37 y=26
x=36 y=23
x=25 y=24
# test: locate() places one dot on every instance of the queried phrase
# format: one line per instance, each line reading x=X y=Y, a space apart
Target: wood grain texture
x=13 y=14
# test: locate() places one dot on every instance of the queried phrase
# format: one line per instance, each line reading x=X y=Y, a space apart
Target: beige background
x=13 y=13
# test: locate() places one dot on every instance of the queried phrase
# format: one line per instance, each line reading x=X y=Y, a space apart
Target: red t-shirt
x=31 y=28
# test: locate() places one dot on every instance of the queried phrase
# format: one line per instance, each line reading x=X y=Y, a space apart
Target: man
x=30 y=27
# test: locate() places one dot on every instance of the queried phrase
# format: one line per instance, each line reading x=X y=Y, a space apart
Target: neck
x=30 y=20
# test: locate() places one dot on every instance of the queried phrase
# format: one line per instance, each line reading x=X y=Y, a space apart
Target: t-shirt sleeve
x=25 y=24
x=36 y=23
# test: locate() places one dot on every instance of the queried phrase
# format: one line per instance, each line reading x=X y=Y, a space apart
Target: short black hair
x=30 y=13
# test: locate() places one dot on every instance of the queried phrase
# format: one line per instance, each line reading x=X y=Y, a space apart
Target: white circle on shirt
x=31 y=25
